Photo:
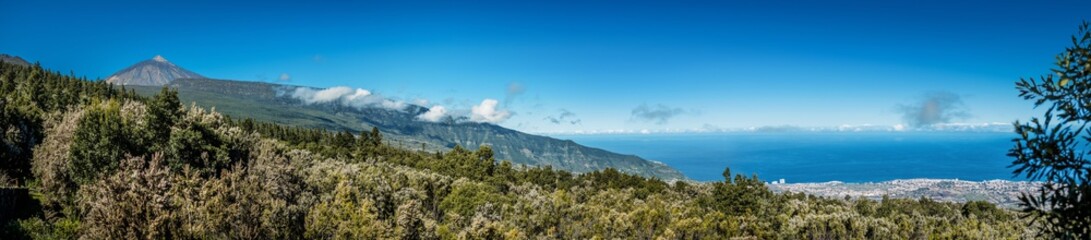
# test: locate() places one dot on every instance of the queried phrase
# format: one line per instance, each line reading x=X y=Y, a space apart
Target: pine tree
x=101 y=141
x=376 y=138
x=163 y=111
x=1054 y=149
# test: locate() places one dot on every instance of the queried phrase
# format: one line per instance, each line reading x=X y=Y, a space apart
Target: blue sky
x=612 y=65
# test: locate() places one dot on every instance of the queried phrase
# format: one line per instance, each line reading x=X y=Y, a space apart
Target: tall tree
x=163 y=111
x=20 y=131
x=100 y=142
x=376 y=138
x=1054 y=149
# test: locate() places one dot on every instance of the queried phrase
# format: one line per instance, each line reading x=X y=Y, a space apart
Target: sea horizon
x=822 y=156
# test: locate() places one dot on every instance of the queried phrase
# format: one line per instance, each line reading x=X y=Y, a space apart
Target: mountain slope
x=152 y=72
x=14 y=60
x=261 y=101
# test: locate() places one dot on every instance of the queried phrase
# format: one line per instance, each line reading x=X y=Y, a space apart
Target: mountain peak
x=13 y=60
x=153 y=72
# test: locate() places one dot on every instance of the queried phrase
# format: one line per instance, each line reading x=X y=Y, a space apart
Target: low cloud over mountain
x=358 y=97
x=434 y=114
x=489 y=112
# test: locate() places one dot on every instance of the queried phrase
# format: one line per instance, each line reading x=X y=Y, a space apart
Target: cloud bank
x=346 y=96
x=487 y=112
x=934 y=108
x=659 y=114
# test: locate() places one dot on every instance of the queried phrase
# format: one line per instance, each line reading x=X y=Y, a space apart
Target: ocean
x=822 y=156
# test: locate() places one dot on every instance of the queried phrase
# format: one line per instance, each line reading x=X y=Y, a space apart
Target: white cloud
x=312 y=96
x=899 y=127
x=359 y=95
x=284 y=77
x=434 y=114
x=393 y=104
x=352 y=97
x=487 y=112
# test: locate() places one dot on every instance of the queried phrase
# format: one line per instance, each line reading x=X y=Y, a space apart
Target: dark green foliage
x=477 y=165
x=1054 y=149
x=369 y=144
x=984 y=210
x=164 y=110
x=613 y=179
x=195 y=145
x=739 y=196
x=343 y=140
x=26 y=94
x=101 y=141
x=375 y=138
x=20 y=131
x=467 y=198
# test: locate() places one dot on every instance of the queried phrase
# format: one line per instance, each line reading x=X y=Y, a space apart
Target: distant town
x=1001 y=192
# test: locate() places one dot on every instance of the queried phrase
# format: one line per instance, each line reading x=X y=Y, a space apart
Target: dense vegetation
x=1054 y=149
x=104 y=163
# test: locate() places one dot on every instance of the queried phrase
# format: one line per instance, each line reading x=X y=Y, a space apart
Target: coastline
x=1001 y=192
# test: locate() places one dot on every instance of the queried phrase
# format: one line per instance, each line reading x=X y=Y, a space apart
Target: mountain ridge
x=268 y=102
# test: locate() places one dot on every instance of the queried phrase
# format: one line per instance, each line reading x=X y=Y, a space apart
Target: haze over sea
x=822 y=156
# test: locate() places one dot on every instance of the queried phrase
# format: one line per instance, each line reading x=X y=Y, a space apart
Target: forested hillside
x=267 y=102
x=104 y=163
